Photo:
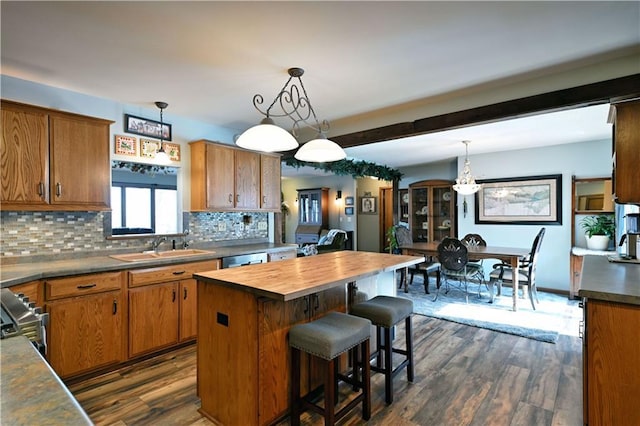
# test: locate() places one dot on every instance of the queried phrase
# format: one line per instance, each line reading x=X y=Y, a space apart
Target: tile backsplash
x=49 y=233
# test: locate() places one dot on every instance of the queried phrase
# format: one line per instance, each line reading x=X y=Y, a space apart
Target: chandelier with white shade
x=293 y=102
x=466 y=183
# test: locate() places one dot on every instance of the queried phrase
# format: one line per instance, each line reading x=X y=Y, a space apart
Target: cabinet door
x=188 y=309
x=85 y=333
x=270 y=172
x=220 y=177
x=247 y=187
x=80 y=168
x=419 y=214
x=24 y=147
x=627 y=154
x=441 y=213
x=153 y=317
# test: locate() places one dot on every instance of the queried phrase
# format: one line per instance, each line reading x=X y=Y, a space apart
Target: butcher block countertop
x=294 y=278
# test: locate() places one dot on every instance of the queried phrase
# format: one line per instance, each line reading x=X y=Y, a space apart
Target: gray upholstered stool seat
x=327 y=338
x=333 y=334
x=385 y=312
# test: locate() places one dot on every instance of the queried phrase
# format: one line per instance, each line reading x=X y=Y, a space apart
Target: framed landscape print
x=532 y=200
x=126 y=145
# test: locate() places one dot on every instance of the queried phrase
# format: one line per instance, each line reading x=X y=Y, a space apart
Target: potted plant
x=598 y=231
x=393 y=242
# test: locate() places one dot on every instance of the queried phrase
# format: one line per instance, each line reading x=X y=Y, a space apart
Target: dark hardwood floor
x=463 y=376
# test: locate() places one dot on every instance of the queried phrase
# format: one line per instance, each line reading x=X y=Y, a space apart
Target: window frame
x=123 y=203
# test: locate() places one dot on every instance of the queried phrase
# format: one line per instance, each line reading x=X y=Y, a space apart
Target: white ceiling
x=208 y=59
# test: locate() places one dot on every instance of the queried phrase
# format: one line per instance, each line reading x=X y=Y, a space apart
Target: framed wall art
x=348 y=211
x=368 y=205
x=348 y=201
x=145 y=127
x=172 y=150
x=149 y=147
x=532 y=200
x=126 y=145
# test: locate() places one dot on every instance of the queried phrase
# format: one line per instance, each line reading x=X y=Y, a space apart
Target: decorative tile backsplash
x=48 y=233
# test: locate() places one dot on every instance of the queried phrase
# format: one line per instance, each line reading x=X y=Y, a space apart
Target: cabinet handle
x=237 y=198
x=115 y=306
x=59 y=189
x=316 y=305
x=174 y=295
x=85 y=286
x=185 y=294
x=264 y=199
x=230 y=198
x=306 y=304
x=179 y=272
x=41 y=189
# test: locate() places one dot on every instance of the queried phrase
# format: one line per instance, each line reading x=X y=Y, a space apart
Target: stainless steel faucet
x=156 y=243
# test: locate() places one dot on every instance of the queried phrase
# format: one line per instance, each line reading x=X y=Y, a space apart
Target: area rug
x=554 y=315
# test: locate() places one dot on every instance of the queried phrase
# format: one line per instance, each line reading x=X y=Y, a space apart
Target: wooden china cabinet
x=432 y=210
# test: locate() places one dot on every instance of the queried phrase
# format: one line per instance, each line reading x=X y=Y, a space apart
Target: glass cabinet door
x=419 y=225
x=442 y=212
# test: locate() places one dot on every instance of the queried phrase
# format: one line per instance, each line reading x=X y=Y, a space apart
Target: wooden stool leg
x=295 y=387
x=409 y=339
x=388 y=366
x=379 y=347
x=366 y=380
x=329 y=393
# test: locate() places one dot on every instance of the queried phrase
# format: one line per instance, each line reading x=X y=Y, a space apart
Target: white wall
x=588 y=159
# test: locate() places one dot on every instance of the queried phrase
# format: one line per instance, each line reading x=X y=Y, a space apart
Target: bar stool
x=385 y=312
x=327 y=338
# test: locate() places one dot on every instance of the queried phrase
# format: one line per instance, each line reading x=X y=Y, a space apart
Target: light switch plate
x=222 y=226
x=262 y=226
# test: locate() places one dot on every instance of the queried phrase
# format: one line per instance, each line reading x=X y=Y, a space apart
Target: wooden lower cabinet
x=243 y=351
x=611 y=356
x=163 y=306
x=153 y=318
x=87 y=315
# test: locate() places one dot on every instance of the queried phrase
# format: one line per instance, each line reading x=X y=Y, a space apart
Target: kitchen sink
x=169 y=254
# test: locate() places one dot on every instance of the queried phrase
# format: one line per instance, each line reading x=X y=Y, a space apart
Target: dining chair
x=475 y=240
x=403 y=237
x=454 y=264
x=503 y=272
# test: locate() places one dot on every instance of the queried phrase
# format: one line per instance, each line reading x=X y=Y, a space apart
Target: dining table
x=510 y=255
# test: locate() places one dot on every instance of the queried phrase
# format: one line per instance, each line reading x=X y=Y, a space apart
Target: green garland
x=356 y=169
x=144 y=168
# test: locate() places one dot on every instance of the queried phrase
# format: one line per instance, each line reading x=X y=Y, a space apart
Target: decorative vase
x=597 y=242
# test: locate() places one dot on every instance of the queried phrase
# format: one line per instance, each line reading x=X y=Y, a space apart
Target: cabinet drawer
x=80 y=285
x=282 y=255
x=160 y=274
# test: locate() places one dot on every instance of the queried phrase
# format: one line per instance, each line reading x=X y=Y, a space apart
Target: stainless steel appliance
x=21 y=317
x=243 y=260
x=631 y=245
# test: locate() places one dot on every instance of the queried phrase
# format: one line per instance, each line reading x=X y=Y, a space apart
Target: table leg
x=515 y=265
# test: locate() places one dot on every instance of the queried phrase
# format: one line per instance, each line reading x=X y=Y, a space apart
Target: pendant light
x=294 y=103
x=466 y=183
x=161 y=155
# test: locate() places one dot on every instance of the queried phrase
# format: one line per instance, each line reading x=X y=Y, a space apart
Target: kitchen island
x=244 y=315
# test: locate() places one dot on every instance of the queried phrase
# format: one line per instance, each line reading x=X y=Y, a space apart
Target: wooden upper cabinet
x=270 y=191
x=626 y=152
x=80 y=170
x=25 y=156
x=225 y=178
x=53 y=160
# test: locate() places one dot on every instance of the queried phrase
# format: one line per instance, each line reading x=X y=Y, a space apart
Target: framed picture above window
x=368 y=205
x=531 y=200
x=146 y=127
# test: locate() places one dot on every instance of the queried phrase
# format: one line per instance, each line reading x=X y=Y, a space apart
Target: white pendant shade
x=320 y=150
x=162 y=157
x=467 y=189
x=267 y=137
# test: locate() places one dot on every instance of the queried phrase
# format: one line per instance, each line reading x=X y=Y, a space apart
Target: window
x=139 y=208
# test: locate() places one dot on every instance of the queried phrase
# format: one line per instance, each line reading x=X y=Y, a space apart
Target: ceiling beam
x=589 y=94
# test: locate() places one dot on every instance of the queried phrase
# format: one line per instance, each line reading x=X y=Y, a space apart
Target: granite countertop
x=14 y=273
x=610 y=281
x=32 y=393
